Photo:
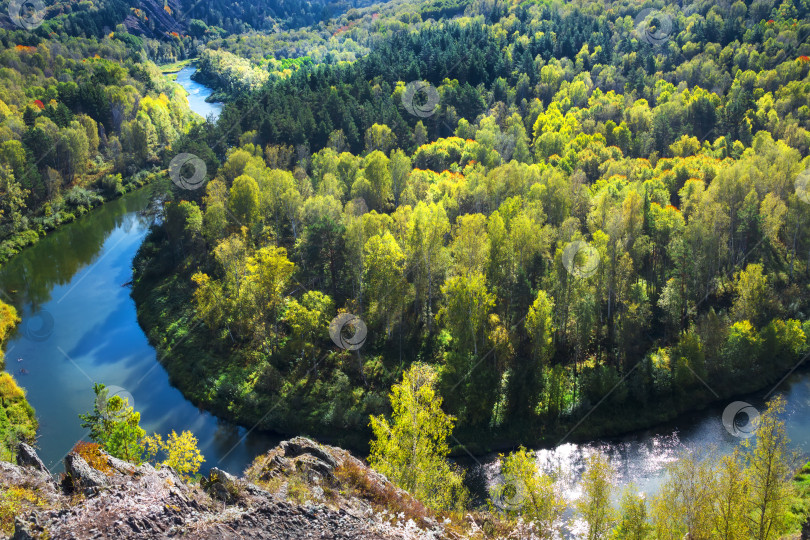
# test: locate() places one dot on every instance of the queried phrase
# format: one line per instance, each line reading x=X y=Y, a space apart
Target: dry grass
x=91 y=453
x=355 y=478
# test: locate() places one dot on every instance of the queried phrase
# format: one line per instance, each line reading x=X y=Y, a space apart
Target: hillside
x=552 y=210
x=298 y=490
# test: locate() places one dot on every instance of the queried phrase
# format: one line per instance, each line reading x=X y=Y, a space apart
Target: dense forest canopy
x=529 y=221
x=557 y=205
x=80 y=120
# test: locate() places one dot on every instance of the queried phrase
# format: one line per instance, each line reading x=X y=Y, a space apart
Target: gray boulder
x=82 y=476
x=27 y=457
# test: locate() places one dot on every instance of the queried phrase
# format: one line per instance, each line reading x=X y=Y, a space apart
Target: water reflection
x=642 y=458
x=82 y=328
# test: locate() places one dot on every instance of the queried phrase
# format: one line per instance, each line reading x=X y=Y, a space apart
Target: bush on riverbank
x=72 y=142
x=17 y=419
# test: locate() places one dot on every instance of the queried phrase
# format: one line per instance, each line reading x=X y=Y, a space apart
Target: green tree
x=380 y=137
x=470 y=245
x=632 y=523
x=465 y=308
x=730 y=507
x=427 y=257
x=378 y=175
x=769 y=473
x=400 y=167
x=268 y=274
x=526 y=492
x=683 y=505
x=215 y=218
x=540 y=327
x=384 y=280
x=755 y=299
x=244 y=200
x=12 y=202
x=594 y=505
x=115 y=425
x=411 y=450
x=309 y=319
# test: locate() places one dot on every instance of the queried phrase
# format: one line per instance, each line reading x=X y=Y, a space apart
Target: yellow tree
x=180 y=451
x=8 y=320
x=526 y=492
x=411 y=449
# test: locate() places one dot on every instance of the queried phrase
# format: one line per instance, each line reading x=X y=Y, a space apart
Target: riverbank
x=76 y=203
x=18 y=422
x=174 y=68
x=220 y=377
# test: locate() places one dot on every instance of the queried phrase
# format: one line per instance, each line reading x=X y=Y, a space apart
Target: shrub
x=113 y=185
x=91 y=453
x=80 y=197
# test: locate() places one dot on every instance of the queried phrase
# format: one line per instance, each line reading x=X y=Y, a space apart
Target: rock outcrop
x=300 y=489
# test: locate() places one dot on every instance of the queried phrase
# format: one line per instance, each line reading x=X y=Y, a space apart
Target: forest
x=425 y=229
x=81 y=121
x=578 y=221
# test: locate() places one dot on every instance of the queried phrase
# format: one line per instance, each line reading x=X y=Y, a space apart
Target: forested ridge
x=583 y=218
x=81 y=120
x=437 y=227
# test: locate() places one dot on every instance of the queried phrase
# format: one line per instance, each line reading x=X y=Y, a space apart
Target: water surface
x=197 y=93
x=79 y=327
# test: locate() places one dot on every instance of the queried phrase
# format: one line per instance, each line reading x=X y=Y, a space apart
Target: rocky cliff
x=300 y=489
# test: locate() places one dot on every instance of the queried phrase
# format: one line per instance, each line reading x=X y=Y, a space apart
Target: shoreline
x=30 y=237
x=611 y=422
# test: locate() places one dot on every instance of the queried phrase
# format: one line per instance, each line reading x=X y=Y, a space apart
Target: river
x=641 y=457
x=79 y=327
x=197 y=94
